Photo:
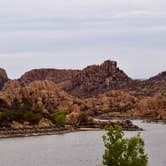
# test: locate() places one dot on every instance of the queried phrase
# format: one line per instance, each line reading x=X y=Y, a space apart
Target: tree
x=121 y=151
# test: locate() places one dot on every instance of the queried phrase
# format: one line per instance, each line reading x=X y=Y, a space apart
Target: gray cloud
x=73 y=34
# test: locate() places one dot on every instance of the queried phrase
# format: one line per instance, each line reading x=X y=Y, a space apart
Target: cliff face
x=3 y=77
x=55 y=75
x=97 y=79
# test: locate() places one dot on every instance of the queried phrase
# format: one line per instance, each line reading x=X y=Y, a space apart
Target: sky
x=77 y=33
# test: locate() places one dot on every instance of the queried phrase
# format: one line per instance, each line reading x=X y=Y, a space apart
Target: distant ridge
x=90 y=81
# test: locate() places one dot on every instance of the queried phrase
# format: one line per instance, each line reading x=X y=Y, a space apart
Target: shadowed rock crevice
x=3 y=77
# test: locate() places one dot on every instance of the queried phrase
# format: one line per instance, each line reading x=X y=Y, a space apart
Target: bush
x=20 y=116
x=59 y=118
x=83 y=118
x=122 y=151
x=32 y=117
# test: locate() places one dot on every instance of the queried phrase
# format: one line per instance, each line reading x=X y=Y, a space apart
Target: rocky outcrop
x=94 y=80
x=153 y=108
x=156 y=86
x=112 y=101
x=55 y=75
x=152 y=87
x=11 y=85
x=97 y=79
x=160 y=77
x=45 y=95
x=3 y=77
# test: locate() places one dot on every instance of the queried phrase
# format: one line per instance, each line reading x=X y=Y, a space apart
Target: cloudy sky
x=77 y=33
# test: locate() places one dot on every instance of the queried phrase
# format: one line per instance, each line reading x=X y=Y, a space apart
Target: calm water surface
x=76 y=149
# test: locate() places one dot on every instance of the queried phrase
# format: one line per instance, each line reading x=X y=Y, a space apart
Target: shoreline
x=54 y=130
x=41 y=131
x=33 y=134
x=143 y=118
x=36 y=131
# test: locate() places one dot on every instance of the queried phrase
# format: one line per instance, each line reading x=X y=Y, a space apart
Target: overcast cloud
x=76 y=33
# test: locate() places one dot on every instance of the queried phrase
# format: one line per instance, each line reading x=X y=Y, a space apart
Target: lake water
x=76 y=149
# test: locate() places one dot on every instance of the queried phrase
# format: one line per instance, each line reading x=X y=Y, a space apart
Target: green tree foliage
x=121 y=151
x=32 y=117
x=20 y=116
x=59 y=117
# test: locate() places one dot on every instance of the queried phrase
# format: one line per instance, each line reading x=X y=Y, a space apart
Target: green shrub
x=20 y=116
x=120 y=151
x=59 y=118
x=32 y=117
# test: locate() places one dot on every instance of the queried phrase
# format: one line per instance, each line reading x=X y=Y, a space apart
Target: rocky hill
x=42 y=94
x=59 y=76
x=160 y=77
x=91 y=81
x=154 y=86
x=84 y=83
x=97 y=79
x=55 y=75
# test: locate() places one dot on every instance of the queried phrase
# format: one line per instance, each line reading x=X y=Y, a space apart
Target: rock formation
x=55 y=75
x=11 y=85
x=96 y=90
x=97 y=79
x=153 y=87
x=45 y=95
x=3 y=77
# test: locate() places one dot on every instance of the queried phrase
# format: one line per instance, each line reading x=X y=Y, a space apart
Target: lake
x=76 y=149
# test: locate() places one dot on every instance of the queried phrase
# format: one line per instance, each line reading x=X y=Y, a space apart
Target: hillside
x=98 y=90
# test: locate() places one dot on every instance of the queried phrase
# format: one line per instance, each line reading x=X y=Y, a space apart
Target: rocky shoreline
x=52 y=130
x=25 y=132
x=147 y=119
